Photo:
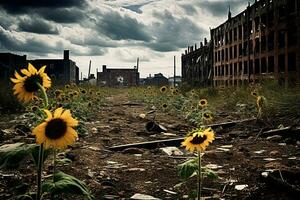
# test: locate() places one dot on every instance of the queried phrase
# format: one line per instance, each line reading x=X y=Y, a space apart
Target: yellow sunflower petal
x=32 y=69
x=25 y=72
x=58 y=112
x=49 y=115
x=42 y=69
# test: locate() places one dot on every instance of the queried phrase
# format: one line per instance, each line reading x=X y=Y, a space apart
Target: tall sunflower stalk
x=56 y=131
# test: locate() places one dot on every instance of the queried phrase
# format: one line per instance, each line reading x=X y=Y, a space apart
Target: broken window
x=271 y=64
x=257 y=66
x=263 y=65
x=226 y=54
x=235 y=51
x=235 y=34
x=281 y=62
x=230 y=69
x=271 y=41
x=281 y=39
x=251 y=47
x=292 y=36
x=292 y=61
x=240 y=71
x=240 y=50
x=245 y=48
x=226 y=69
x=230 y=53
x=235 y=68
x=223 y=55
x=257 y=45
x=240 y=32
x=256 y=21
x=245 y=67
x=263 y=43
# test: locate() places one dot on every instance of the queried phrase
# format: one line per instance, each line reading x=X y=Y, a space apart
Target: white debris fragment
x=213 y=166
x=139 y=196
x=265 y=174
x=269 y=159
x=259 y=152
x=171 y=151
x=170 y=192
x=240 y=187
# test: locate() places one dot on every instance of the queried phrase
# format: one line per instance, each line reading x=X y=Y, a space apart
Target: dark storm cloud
x=134 y=8
x=220 y=8
x=174 y=33
x=37 y=26
x=8 y=42
x=118 y=27
x=189 y=9
x=62 y=15
x=24 y=6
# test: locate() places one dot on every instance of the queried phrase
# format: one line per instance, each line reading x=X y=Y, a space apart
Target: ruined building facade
x=259 y=43
x=118 y=77
x=196 y=64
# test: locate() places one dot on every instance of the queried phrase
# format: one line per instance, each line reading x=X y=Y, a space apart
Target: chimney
x=185 y=52
x=103 y=68
x=205 y=41
x=201 y=44
x=192 y=48
x=195 y=46
x=66 y=54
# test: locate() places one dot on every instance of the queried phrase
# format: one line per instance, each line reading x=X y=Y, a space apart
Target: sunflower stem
x=39 y=172
x=45 y=96
x=199 y=176
x=54 y=166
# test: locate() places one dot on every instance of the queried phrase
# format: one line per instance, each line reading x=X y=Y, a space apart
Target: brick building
x=196 y=64
x=61 y=71
x=261 y=42
x=157 y=80
x=9 y=63
x=118 y=77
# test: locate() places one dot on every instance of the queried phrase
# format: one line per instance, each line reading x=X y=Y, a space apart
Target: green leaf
x=35 y=154
x=188 y=168
x=210 y=173
x=64 y=183
x=12 y=154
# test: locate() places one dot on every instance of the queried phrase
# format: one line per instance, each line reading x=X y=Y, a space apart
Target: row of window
x=260 y=66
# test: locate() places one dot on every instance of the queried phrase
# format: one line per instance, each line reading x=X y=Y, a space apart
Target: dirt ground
x=240 y=155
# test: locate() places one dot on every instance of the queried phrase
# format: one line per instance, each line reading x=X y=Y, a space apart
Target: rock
x=274 y=153
x=170 y=134
x=110 y=196
x=171 y=151
x=139 y=196
x=274 y=138
x=94 y=130
x=240 y=187
x=133 y=151
x=94 y=148
x=135 y=169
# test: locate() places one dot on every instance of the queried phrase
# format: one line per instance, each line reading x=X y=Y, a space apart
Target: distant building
x=157 y=80
x=9 y=63
x=177 y=80
x=61 y=71
x=118 y=77
x=197 y=64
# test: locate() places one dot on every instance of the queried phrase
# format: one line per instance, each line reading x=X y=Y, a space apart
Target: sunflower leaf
x=11 y=155
x=188 y=168
x=35 y=154
x=64 y=183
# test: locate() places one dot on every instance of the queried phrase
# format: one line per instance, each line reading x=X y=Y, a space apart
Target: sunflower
x=207 y=116
x=254 y=93
x=98 y=94
x=198 y=139
x=67 y=86
x=34 y=108
x=172 y=87
x=203 y=103
x=57 y=130
x=83 y=91
x=26 y=86
x=163 y=89
x=164 y=106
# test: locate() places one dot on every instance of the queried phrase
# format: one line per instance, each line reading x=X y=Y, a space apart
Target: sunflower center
x=198 y=139
x=30 y=84
x=56 y=128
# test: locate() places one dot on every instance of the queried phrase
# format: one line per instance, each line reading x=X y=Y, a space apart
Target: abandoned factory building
x=118 y=77
x=9 y=63
x=61 y=71
x=261 y=42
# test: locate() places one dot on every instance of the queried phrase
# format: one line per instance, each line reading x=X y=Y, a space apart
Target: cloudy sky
x=111 y=32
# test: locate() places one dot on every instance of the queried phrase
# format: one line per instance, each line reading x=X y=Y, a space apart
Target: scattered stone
x=94 y=148
x=170 y=134
x=94 y=130
x=274 y=138
x=185 y=196
x=282 y=144
x=259 y=152
x=274 y=153
x=213 y=166
x=240 y=187
x=142 y=116
x=171 y=151
x=91 y=173
x=139 y=196
x=135 y=169
x=133 y=150
x=110 y=196
x=274 y=165
x=170 y=192
x=269 y=159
